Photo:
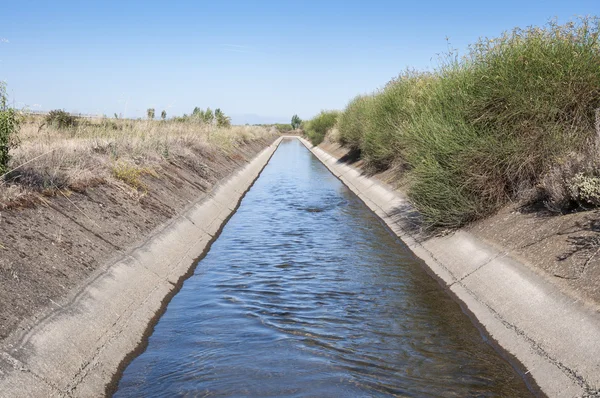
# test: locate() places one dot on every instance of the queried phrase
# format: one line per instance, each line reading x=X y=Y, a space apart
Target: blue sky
x=259 y=61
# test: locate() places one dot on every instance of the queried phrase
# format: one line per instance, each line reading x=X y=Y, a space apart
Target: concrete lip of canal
x=306 y=292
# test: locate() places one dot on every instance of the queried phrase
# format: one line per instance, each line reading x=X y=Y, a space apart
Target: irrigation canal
x=307 y=293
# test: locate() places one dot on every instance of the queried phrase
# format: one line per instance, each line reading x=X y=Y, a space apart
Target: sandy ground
x=564 y=249
x=49 y=250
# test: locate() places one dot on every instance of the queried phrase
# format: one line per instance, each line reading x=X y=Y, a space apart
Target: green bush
x=60 y=119
x=208 y=116
x=9 y=127
x=317 y=127
x=222 y=119
x=353 y=122
x=484 y=128
x=389 y=118
x=283 y=127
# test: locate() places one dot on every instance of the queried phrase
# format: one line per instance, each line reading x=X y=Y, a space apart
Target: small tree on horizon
x=150 y=113
x=198 y=114
x=163 y=115
x=208 y=116
x=222 y=120
x=296 y=122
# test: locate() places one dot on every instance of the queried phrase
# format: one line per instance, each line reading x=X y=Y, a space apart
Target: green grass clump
x=389 y=118
x=283 y=128
x=60 y=119
x=317 y=127
x=10 y=122
x=484 y=128
x=353 y=122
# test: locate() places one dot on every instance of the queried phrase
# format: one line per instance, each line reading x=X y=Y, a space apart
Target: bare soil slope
x=48 y=250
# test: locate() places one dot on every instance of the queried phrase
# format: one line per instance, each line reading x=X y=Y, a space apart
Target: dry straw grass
x=51 y=159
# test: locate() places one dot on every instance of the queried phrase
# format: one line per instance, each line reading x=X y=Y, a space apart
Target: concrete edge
x=78 y=349
x=554 y=337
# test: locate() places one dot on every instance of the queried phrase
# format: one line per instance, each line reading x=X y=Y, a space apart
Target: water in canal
x=306 y=293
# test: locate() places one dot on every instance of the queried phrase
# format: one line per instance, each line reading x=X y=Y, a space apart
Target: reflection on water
x=306 y=293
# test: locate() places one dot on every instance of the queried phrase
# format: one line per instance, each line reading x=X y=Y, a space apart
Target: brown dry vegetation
x=84 y=196
x=116 y=152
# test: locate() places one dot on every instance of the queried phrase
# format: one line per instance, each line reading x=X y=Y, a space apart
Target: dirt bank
x=48 y=250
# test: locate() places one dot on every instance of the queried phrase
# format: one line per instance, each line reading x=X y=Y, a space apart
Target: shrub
x=585 y=189
x=222 y=120
x=131 y=174
x=283 y=128
x=60 y=119
x=9 y=127
x=208 y=116
x=353 y=121
x=317 y=127
x=483 y=129
x=389 y=118
x=163 y=115
x=197 y=114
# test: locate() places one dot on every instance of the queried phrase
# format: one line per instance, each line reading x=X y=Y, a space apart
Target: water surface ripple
x=306 y=293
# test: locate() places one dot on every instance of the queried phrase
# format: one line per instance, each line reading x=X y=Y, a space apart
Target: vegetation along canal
x=306 y=293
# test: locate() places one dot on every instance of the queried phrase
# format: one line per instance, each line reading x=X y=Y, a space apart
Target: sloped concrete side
x=77 y=350
x=556 y=338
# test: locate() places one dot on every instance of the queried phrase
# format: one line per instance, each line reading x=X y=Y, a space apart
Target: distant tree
x=222 y=120
x=150 y=113
x=116 y=116
x=59 y=118
x=198 y=114
x=163 y=115
x=208 y=116
x=296 y=122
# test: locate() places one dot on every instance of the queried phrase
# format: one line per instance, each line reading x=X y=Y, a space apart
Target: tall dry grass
x=111 y=151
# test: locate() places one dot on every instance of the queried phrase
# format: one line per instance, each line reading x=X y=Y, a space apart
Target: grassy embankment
x=515 y=119
x=320 y=125
x=66 y=154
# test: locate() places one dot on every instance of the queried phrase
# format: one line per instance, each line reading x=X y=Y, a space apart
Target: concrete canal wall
x=554 y=338
x=78 y=349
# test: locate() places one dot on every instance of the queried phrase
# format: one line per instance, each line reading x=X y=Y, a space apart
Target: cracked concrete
x=552 y=336
x=78 y=349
